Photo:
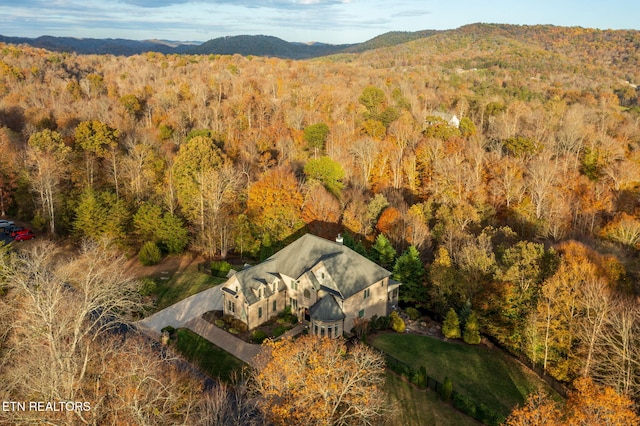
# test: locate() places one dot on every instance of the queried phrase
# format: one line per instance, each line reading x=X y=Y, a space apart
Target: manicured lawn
x=207 y=356
x=421 y=407
x=182 y=285
x=486 y=375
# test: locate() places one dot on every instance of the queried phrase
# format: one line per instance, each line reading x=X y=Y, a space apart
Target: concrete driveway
x=188 y=314
x=178 y=314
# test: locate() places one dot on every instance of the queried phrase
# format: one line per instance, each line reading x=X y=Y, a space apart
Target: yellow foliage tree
x=318 y=381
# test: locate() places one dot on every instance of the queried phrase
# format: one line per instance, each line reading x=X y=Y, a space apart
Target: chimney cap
x=339 y=239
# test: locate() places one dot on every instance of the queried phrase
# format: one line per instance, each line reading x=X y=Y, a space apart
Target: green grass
x=208 y=357
x=421 y=407
x=485 y=375
x=182 y=285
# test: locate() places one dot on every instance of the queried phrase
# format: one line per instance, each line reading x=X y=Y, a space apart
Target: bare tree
x=64 y=305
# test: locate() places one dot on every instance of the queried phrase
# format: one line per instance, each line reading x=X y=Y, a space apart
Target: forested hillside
x=527 y=213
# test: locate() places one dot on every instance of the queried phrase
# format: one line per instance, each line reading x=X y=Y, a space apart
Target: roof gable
x=349 y=272
x=327 y=310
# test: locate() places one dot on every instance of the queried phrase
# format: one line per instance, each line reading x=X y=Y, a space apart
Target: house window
x=322 y=331
x=307 y=293
x=294 y=304
x=231 y=307
x=361 y=313
x=275 y=306
x=259 y=293
x=367 y=293
x=260 y=312
x=322 y=275
x=335 y=330
x=315 y=329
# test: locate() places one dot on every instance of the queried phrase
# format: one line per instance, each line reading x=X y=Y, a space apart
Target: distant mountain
x=118 y=46
x=261 y=45
x=256 y=45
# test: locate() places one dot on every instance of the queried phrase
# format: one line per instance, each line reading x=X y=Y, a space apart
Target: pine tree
x=451 y=325
x=384 y=252
x=409 y=270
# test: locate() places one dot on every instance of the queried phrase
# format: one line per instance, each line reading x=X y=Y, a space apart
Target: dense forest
x=526 y=213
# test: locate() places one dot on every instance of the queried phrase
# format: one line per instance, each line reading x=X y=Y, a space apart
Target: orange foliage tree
x=589 y=404
x=318 y=381
x=274 y=204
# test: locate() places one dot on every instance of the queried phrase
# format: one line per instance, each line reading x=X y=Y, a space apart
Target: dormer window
x=259 y=293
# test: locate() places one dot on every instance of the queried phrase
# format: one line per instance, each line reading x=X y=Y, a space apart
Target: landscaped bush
x=234 y=331
x=237 y=325
x=397 y=323
x=464 y=404
x=220 y=323
x=380 y=323
x=413 y=313
x=279 y=331
x=258 y=336
x=169 y=329
x=149 y=254
x=220 y=268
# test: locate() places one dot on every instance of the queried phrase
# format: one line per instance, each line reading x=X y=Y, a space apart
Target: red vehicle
x=24 y=236
x=17 y=231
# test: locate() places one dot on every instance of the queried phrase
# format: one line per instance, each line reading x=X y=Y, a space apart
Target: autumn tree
x=47 y=157
x=589 y=404
x=274 y=204
x=319 y=381
x=321 y=211
x=316 y=135
x=328 y=172
x=205 y=185
x=97 y=140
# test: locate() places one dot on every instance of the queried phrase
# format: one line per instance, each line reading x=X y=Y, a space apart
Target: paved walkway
x=224 y=340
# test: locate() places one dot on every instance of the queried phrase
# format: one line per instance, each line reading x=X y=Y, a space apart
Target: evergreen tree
x=149 y=254
x=451 y=325
x=471 y=333
x=166 y=230
x=384 y=252
x=409 y=270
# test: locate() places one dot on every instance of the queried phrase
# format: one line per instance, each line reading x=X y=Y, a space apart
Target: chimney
x=339 y=239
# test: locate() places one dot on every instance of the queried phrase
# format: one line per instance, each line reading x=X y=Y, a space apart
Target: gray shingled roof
x=327 y=310
x=349 y=271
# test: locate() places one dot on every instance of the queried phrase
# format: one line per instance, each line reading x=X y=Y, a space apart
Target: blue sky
x=329 y=21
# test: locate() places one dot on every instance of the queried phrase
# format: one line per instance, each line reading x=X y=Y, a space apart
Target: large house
x=325 y=283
